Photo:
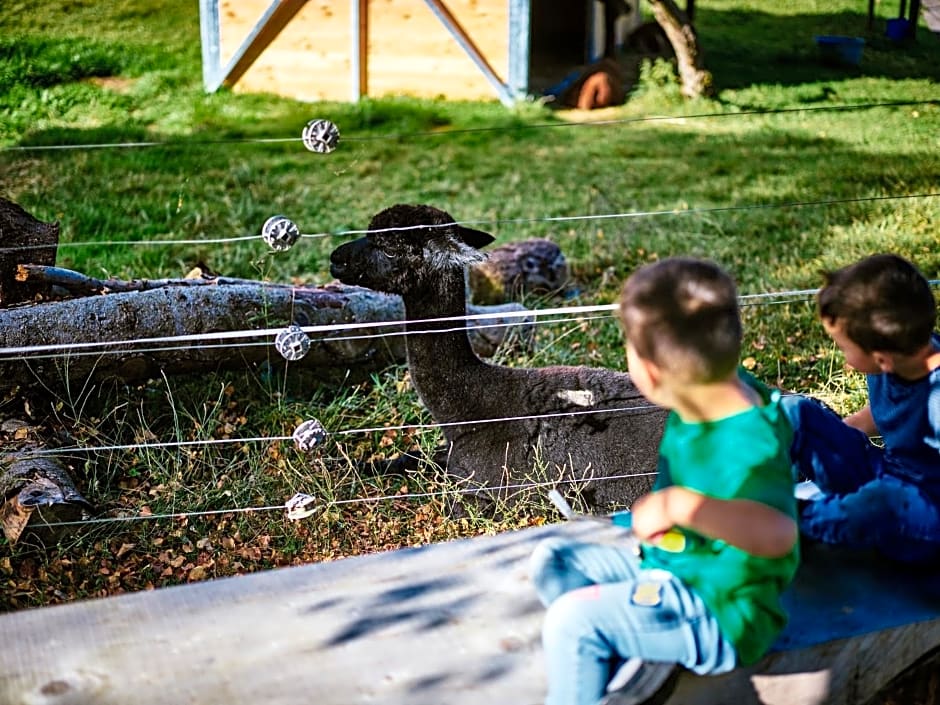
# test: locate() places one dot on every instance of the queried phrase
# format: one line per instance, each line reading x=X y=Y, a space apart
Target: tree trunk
x=696 y=81
x=513 y=270
x=23 y=240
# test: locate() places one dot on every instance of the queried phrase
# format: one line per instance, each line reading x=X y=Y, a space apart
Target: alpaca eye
x=385 y=248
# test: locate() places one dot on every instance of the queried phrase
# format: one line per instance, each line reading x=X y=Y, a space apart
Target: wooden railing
x=446 y=624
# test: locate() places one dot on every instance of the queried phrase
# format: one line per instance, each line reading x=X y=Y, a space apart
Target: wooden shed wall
x=409 y=51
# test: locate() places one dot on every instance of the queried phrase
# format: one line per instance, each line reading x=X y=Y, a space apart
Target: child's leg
x=837 y=457
x=590 y=631
x=558 y=565
x=886 y=514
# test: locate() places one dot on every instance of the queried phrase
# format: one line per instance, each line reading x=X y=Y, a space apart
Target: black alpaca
x=426 y=266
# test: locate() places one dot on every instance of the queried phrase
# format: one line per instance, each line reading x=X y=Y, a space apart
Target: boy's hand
x=863 y=421
x=650 y=518
x=756 y=528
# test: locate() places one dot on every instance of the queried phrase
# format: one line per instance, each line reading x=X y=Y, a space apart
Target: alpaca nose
x=337 y=264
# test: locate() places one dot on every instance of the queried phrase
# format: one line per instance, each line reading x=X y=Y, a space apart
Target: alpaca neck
x=440 y=361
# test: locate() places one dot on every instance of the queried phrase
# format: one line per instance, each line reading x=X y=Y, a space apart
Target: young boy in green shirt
x=718 y=532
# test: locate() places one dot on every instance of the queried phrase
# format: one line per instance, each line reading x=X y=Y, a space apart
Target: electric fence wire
x=74 y=450
x=507 y=221
x=71 y=348
x=438 y=134
x=331 y=339
x=750 y=299
x=745 y=300
x=354 y=500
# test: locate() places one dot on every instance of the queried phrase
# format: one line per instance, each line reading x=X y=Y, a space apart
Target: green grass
x=721 y=177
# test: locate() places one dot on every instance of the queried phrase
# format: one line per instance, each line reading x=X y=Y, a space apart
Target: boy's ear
x=651 y=370
x=884 y=360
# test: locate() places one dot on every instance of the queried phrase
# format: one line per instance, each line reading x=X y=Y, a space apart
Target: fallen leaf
x=125 y=547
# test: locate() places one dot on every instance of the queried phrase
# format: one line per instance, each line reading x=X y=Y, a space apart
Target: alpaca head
x=407 y=249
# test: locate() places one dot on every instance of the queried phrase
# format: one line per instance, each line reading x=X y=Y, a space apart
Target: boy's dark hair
x=682 y=314
x=884 y=303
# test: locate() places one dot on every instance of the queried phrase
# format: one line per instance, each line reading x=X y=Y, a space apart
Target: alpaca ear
x=474 y=238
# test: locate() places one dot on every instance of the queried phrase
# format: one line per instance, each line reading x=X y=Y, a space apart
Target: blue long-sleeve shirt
x=907 y=415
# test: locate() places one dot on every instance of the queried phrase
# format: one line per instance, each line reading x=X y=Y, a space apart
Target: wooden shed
x=461 y=50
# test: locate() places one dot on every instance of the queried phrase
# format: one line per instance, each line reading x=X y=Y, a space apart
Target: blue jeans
x=603 y=609
x=863 y=506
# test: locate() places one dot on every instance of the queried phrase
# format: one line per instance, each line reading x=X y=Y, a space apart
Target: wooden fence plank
x=453 y=623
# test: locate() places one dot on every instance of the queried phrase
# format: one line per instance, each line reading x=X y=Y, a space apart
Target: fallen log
x=515 y=269
x=136 y=335
x=70 y=284
x=36 y=492
x=82 y=329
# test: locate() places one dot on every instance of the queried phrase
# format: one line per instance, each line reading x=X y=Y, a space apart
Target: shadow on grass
x=743 y=48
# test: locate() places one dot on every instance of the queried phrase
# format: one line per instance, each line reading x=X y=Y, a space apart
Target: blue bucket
x=897 y=29
x=846 y=51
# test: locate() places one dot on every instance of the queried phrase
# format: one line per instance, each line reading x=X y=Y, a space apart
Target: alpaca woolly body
x=426 y=267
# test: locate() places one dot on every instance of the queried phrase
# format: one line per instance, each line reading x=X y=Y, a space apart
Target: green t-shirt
x=744 y=456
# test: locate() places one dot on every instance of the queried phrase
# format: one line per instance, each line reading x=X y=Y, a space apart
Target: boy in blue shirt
x=881 y=314
x=718 y=533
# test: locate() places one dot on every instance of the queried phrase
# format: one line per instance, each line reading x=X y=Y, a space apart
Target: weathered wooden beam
x=519 y=49
x=360 y=51
x=210 y=37
x=454 y=623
